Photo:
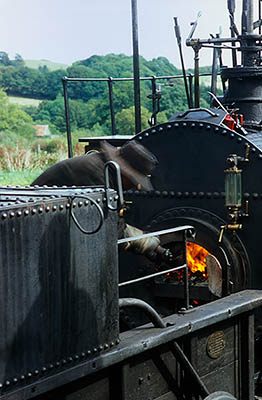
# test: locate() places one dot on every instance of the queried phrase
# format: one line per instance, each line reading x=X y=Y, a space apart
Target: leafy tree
x=125 y=120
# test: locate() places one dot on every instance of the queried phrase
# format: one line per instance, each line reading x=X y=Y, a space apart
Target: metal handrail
x=110 y=81
x=188 y=231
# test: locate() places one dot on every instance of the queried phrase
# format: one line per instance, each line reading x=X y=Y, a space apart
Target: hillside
x=51 y=65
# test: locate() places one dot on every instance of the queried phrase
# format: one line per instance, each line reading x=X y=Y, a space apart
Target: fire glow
x=196 y=258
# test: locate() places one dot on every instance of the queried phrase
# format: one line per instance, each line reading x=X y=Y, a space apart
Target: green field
x=24 y=101
x=52 y=66
x=21 y=178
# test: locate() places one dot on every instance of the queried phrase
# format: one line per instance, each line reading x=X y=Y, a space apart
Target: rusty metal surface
x=58 y=293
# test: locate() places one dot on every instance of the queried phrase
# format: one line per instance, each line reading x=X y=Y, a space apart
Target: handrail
x=188 y=231
x=110 y=81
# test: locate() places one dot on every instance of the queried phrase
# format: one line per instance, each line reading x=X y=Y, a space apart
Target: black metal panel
x=58 y=286
x=189 y=189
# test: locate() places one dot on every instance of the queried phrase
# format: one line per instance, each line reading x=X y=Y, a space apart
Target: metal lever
x=194 y=25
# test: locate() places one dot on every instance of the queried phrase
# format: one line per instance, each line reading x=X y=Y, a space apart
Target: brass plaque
x=216 y=344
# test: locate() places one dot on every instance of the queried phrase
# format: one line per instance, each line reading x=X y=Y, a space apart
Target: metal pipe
x=111 y=102
x=247 y=17
x=178 y=37
x=136 y=68
x=68 y=129
x=150 y=312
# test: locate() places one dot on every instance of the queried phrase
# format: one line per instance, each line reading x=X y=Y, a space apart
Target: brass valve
x=232 y=227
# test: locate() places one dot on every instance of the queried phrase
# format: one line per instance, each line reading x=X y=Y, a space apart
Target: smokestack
x=247 y=17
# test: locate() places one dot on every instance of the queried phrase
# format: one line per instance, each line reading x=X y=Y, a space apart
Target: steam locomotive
x=81 y=319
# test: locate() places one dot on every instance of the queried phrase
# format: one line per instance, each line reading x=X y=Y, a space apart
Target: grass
x=21 y=178
x=51 y=65
x=24 y=101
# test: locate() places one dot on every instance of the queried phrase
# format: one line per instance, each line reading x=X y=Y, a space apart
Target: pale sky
x=67 y=31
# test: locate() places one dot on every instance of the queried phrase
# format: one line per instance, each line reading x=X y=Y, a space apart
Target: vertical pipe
x=154 y=121
x=136 y=67
x=111 y=102
x=214 y=73
x=197 y=88
x=247 y=17
x=68 y=130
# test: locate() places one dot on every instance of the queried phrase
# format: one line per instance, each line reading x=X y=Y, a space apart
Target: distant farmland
x=52 y=66
x=24 y=101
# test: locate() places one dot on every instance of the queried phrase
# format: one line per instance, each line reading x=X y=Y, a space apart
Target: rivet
x=15 y=380
x=106 y=346
x=61 y=207
x=34 y=211
x=29 y=374
x=112 y=344
x=74 y=204
x=209 y=195
x=160 y=129
x=1 y=385
x=116 y=197
x=54 y=208
x=36 y=372
x=98 y=200
x=255 y=196
x=83 y=354
x=216 y=129
x=260 y=156
x=67 y=205
x=94 y=350
x=232 y=135
x=194 y=194
x=146 y=134
x=169 y=126
x=4 y=216
x=117 y=341
x=239 y=140
x=176 y=124
x=12 y=214
x=64 y=362
x=253 y=150
x=193 y=125
x=70 y=359
x=224 y=132
x=184 y=124
x=80 y=203
x=246 y=195
x=140 y=138
x=40 y=210
x=57 y=364
x=76 y=357
x=22 y=377
x=179 y=194
x=47 y=208
x=44 y=369
x=51 y=366
x=89 y=352
x=208 y=127
x=101 y=347
x=86 y=202
x=7 y=383
x=153 y=131
x=201 y=125
x=201 y=194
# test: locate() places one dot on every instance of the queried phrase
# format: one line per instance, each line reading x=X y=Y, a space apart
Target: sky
x=67 y=31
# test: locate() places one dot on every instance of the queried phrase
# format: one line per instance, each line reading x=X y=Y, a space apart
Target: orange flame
x=196 y=258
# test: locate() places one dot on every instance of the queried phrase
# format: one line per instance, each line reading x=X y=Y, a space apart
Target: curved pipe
x=154 y=317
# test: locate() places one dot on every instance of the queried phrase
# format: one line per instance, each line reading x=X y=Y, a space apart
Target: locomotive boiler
x=209 y=175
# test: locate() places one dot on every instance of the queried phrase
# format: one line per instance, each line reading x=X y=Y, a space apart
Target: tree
x=125 y=120
x=13 y=119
